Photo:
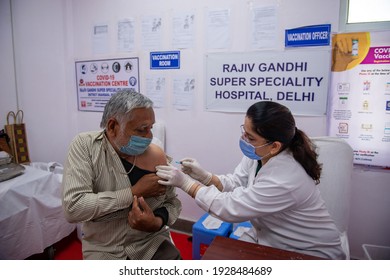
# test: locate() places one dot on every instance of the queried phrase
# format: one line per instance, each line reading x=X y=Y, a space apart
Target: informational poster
x=296 y=78
x=360 y=95
x=156 y=90
x=152 y=32
x=183 y=92
x=263 y=26
x=218 y=29
x=125 y=38
x=98 y=80
x=100 y=38
x=183 y=30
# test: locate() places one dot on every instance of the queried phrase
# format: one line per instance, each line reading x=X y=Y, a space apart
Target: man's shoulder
x=157 y=154
x=152 y=157
x=87 y=138
x=89 y=135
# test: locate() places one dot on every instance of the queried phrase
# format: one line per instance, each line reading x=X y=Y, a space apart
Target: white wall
x=51 y=34
x=40 y=50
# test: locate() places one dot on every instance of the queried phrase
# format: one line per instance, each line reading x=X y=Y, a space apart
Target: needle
x=170 y=160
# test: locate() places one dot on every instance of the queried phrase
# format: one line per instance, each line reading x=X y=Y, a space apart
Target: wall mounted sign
x=359 y=101
x=165 y=60
x=98 y=80
x=307 y=36
x=297 y=79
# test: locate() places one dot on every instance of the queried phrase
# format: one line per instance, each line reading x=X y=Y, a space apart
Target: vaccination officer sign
x=98 y=80
x=315 y=35
x=297 y=79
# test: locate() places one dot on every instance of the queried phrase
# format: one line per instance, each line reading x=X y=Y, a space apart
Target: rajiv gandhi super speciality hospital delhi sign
x=297 y=79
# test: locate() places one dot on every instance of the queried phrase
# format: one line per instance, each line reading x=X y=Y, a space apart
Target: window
x=364 y=15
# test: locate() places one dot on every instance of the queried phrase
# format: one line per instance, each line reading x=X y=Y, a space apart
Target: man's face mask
x=136 y=145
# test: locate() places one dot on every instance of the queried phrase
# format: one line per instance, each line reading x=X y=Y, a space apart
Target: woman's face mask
x=136 y=145
x=249 y=150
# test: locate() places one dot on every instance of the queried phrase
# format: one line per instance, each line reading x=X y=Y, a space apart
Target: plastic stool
x=202 y=237
x=238 y=231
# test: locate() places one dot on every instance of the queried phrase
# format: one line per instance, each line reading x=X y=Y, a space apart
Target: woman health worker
x=274 y=186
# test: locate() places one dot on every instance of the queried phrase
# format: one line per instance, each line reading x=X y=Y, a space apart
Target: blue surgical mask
x=249 y=150
x=136 y=145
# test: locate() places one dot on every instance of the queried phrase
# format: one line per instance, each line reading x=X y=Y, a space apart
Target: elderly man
x=110 y=185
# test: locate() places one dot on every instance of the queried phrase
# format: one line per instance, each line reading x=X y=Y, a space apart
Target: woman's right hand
x=174 y=177
x=192 y=167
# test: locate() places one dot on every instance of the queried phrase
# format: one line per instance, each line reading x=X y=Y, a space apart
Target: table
x=31 y=215
x=223 y=248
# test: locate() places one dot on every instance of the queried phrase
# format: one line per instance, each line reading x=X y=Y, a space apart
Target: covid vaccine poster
x=98 y=80
x=359 y=102
x=298 y=79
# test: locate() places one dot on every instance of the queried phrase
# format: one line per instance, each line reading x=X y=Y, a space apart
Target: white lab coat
x=283 y=204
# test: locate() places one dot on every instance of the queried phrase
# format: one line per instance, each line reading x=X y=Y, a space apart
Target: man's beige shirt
x=97 y=193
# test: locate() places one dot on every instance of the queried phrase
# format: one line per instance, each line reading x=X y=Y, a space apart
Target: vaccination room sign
x=98 y=80
x=297 y=79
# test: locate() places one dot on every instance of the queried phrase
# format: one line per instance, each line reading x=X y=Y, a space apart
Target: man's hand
x=148 y=186
x=141 y=217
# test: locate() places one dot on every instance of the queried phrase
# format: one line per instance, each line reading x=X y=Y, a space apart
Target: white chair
x=336 y=157
x=158 y=131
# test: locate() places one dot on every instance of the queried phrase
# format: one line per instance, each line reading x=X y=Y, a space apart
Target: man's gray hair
x=121 y=103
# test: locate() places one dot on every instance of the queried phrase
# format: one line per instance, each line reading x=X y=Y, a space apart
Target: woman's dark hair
x=274 y=122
